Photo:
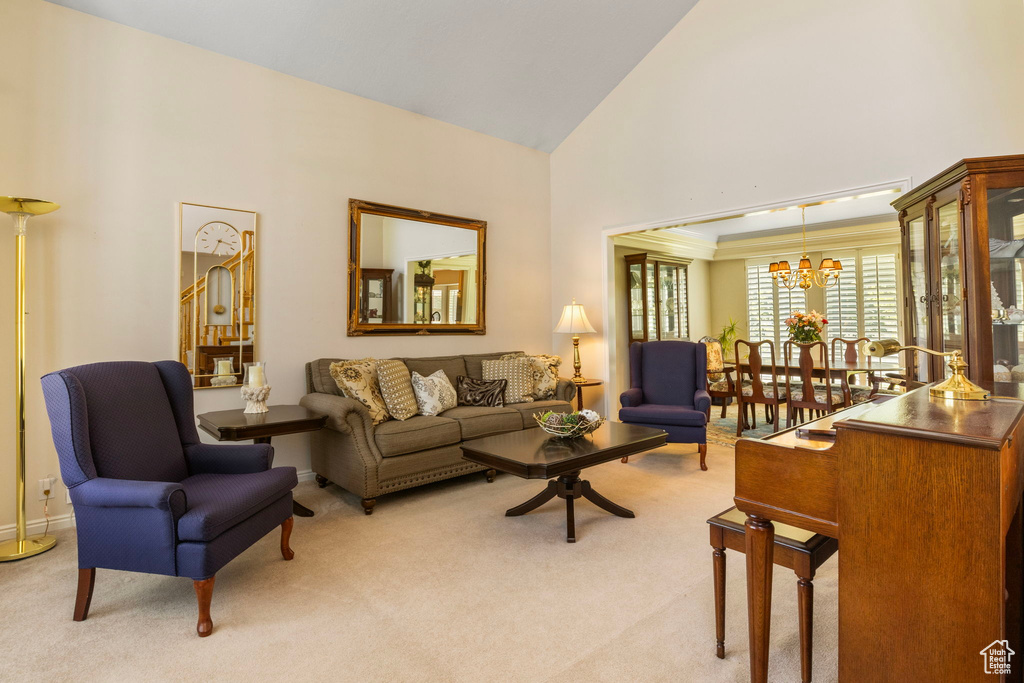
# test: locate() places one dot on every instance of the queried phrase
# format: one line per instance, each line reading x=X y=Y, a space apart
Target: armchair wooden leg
x=86 y=582
x=702 y=448
x=204 y=595
x=286 y=534
x=626 y=459
x=491 y=474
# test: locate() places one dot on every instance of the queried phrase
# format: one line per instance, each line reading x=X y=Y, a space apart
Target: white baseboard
x=36 y=526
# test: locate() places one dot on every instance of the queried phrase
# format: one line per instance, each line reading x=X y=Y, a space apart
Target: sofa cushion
x=320 y=379
x=398 y=437
x=217 y=502
x=659 y=414
x=528 y=410
x=396 y=389
x=453 y=366
x=474 y=361
x=518 y=371
x=479 y=421
x=545 y=374
x=481 y=392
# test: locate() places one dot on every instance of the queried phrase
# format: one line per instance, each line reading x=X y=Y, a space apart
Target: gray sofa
x=373 y=460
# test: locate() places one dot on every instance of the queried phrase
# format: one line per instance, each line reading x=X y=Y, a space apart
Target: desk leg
x=297 y=507
x=760 y=550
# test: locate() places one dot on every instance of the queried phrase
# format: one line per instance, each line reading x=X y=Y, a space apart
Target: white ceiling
x=869 y=207
x=528 y=71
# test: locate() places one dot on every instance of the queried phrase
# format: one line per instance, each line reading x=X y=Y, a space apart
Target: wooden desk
x=924 y=497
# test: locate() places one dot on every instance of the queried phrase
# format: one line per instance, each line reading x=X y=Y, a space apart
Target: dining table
x=840 y=369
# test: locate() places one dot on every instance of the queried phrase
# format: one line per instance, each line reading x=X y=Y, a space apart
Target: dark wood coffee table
x=237 y=425
x=534 y=454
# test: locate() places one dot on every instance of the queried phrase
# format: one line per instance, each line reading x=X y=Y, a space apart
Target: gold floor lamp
x=20 y=209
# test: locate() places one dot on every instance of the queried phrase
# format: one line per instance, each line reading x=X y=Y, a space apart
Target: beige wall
x=118 y=126
x=746 y=103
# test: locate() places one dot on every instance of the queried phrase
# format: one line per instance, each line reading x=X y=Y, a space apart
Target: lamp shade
x=574 y=320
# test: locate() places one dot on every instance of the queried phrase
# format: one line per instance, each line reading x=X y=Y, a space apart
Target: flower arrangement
x=569 y=425
x=806 y=327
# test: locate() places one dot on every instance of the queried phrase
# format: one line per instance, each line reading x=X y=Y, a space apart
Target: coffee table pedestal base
x=570 y=487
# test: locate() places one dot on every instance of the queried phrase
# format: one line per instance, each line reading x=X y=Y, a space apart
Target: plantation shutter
x=842 y=302
x=760 y=303
x=880 y=299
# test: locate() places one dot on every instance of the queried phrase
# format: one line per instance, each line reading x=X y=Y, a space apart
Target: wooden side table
x=237 y=425
x=579 y=390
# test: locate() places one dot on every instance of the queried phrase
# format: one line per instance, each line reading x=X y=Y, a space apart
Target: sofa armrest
x=565 y=390
x=205 y=458
x=702 y=401
x=630 y=398
x=343 y=414
x=128 y=493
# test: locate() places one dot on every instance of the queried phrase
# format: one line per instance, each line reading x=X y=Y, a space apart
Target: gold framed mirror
x=414 y=272
x=216 y=293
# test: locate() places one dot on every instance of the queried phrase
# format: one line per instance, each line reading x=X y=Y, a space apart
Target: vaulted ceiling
x=527 y=71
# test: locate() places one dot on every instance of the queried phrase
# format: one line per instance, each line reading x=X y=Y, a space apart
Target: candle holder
x=255 y=390
x=225 y=376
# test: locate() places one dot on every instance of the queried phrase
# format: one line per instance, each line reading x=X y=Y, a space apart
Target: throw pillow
x=396 y=389
x=518 y=372
x=358 y=380
x=481 y=392
x=716 y=359
x=545 y=374
x=434 y=394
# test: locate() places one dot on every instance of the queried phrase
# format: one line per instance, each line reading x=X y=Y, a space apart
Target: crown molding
x=854 y=234
x=672 y=244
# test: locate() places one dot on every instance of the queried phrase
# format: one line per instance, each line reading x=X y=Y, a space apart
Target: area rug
x=722 y=430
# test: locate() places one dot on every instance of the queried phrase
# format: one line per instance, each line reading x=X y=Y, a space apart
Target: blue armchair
x=668 y=390
x=148 y=496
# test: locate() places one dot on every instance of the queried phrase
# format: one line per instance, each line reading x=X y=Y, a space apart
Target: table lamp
x=956 y=387
x=20 y=209
x=574 y=321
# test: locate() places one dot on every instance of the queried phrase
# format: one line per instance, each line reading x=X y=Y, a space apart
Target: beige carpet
x=436 y=586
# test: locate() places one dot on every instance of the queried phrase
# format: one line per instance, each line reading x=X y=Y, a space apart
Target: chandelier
x=826 y=276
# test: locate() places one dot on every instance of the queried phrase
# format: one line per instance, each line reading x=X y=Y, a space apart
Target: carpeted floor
x=438 y=585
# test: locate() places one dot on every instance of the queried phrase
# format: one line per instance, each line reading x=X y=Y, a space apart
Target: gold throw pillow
x=396 y=389
x=358 y=379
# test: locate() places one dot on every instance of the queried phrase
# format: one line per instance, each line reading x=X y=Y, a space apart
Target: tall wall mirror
x=217 y=286
x=414 y=272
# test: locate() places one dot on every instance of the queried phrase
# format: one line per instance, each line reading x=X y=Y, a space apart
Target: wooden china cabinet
x=656 y=296
x=963 y=266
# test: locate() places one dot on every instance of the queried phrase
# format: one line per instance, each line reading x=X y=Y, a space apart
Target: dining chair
x=148 y=495
x=752 y=390
x=859 y=393
x=804 y=392
x=720 y=382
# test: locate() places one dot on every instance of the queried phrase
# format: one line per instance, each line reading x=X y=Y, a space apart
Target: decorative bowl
x=569 y=425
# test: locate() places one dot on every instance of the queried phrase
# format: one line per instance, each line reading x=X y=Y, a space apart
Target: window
x=865 y=303
x=768 y=305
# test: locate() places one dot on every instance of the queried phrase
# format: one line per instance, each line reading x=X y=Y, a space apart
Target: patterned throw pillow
x=518 y=372
x=434 y=394
x=545 y=373
x=358 y=380
x=481 y=392
x=716 y=359
x=396 y=389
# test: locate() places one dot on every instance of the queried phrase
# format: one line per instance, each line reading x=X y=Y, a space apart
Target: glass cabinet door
x=636 y=301
x=950 y=292
x=918 y=294
x=1006 y=265
x=652 y=304
x=668 y=304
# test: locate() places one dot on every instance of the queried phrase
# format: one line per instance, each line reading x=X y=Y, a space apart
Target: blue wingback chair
x=148 y=496
x=668 y=390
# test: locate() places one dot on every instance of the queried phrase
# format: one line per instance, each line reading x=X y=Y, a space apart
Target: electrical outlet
x=46 y=485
